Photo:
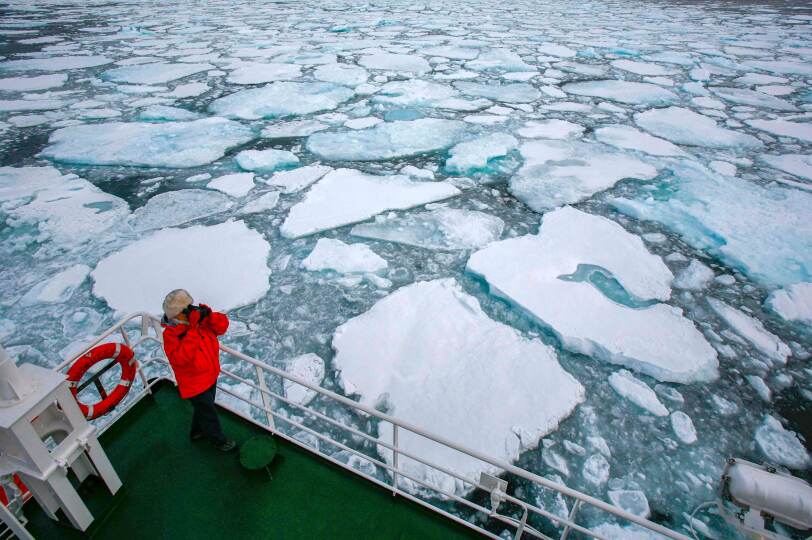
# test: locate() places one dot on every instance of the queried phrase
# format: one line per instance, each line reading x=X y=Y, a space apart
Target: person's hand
x=205 y=311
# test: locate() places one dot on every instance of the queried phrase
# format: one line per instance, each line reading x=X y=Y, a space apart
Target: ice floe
x=387 y=140
x=551 y=129
x=744 y=96
x=309 y=367
x=792 y=303
x=347 y=196
x=780 y=445
x=395 y=62
x=235 y=185
x=165 y=144
x=631 y=92
x=798 y=164
x=752 y=330
x=636 y=391
x=684 y=126
x=683 y=427
x=632 y=501
x=137 y=277
x=694 y=277
x=656 y=339
x=28 y=84
x=160 y=72
x=263 y=203
x=480 y=154
x=784 y=128
x=55 y=63
x=173 y=208
x=58 y=288
x=298 y=179
x=259 y=72
x=344 y=74
x=434 y=335
x=335 y=255
x=441 y=229
x=280 y=100
x=556 y=173
x=629 y=138
x=510 y=93
x=266 y=161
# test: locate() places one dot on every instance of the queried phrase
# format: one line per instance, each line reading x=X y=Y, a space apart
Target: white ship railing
x=151 y=331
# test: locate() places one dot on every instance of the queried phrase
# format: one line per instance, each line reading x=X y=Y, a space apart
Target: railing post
x=395 y=455
x=128 y=343
x=266 y=399
x=520 y=528
x=574 y=511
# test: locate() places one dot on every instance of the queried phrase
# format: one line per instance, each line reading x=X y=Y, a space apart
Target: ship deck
x=175 y=488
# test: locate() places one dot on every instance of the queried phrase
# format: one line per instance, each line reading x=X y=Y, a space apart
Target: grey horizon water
x=687 y=54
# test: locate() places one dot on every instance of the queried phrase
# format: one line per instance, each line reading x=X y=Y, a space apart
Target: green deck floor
x=176 y=489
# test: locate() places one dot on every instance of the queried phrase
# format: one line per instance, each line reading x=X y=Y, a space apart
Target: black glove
x=205 y=311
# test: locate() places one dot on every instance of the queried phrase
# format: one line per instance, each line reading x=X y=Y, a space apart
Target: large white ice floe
x=335 y=255
x=281 y=99
x=408 y=350
x=629 y=138
x=550 y=129
x=259 y=72
x=636 y=391
x=420 y=93
x=752 y=330
x=480 y=155
x=539 y=274
x=65 y=209
x=784 y=128
x=344 y=74
x=28 y=84
x=684 y=126
x=771 y=241
x=55 y=63
x=387 y=140
x=781 y=446
x=165 y=144
x=510 y=93
x=636 y=93
x=58 y=288
x=173 y=208
x=395 y=62
x=347 y=196
x=157 y=73
x=792 y=303
x=137 y=277
x=556 y=173
x=440 y=229
x=798 y=164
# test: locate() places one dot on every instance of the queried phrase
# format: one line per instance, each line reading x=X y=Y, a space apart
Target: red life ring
x=125 y=358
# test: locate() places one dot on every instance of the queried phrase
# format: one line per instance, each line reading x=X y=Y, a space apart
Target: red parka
x=194 y=351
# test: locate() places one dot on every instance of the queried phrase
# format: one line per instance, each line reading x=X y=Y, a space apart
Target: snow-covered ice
x=629 y=138
x=387 y=140
x=259 y=72
x=684 y=126
x=441 y=229
x=173 y=208
x=28 y=84
x=632 y=501
x=166 y=144
x=792 y=303
x=623 y=92
x=235 y=185
x=308 y=367
x=276 y=100
x=335 y=255
x=694 y=277
x=479 y=155
x=266 y=161
x=636 y=391
x=752 y=330
x=656 y=340
x=683 y=427
x=157 y=73
x=556 y=173
x=58 y=288
x=137 y=277
x=551 y=129
x=433 y=336
x=781 y=446
x=298 y=179
x=347 y=196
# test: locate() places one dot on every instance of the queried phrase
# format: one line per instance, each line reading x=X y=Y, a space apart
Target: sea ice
x=173 y=208
x=632 y=501
x=642 y=68
x=480 y=154
x=157 y=73
x=792 y=303
x=780 y=445
x=395 y=62
x=636 y=391
x=753 y=98
x=784 y=128
x=166 y=144
x=596 y=470
x=163 y=113
x=137 y=277
x=683 y=427
x=15 y=105
x=555 y=173
x=298 y=179
x=434 y=336
x=784 y=67
x=66 y=209
x=613 y=531
x=798 y=164
x=235 y=185
x=259 y=72
x=684 y=126
x=335 y=255
x=510 y=93
x=347 y=196
x=654 y=339
x=629 y=138
x=294 y=128
x=752 y=330
x=635 y=93
x=280 y=100
x=387 y=140
x=770 y=242
x=414 y=93
x=28 y=84
x=58 y=288
x=694 y=277
x=54 y=63
x=502 y=60
x=266 y=161
x=441 y=229
x=550 y=129
x=263 y=203
x=309 y=367
x=344 y=74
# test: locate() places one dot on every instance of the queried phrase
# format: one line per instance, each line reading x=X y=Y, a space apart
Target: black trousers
x=204 y=419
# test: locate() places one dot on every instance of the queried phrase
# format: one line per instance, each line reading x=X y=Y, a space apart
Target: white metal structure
x=271 y=417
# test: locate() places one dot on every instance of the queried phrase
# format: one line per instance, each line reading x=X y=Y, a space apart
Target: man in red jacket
x=191 y=345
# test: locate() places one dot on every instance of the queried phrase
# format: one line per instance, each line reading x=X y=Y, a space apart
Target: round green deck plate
x=257 y=452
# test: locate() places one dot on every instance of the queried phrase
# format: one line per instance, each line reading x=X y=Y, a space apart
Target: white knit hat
x=176 y=301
